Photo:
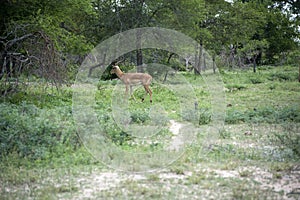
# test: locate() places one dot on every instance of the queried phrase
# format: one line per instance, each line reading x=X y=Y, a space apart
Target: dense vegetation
x=38 y=134
x=254 y=44
x=49 y=39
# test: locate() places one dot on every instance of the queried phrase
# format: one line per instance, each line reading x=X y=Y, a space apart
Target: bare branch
x=12 y=42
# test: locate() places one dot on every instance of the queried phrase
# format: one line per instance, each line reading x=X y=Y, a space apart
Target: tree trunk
x=197 y=67
x=214 y=63
x=139 y=53
x=254 y=64
x=204 y=62
x=139 y=60
x=299 y=74
x=166 y=74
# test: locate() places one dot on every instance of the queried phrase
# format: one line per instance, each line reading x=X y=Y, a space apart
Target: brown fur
x=130 y=79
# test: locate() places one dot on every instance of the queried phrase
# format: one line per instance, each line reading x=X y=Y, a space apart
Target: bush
x=283 y=76
x=256 y=80
x=288 y=140
x=235 y=87
x=264 y=115
x=205 y=116
x=35 y=133
x=112 y=130
x=234 y=117
x=139 y=116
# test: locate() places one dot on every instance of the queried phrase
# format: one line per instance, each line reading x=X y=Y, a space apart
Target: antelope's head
x=114 y=69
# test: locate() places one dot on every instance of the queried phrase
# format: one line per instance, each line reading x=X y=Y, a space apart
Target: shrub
x=289 y=114
x=288 y=140
x=34 y=133
x=264 y=115
x=235 y=87
x=112 y=130
x=282 y=76
x=256 y=80
x=205 y=116
x=234 y=117
x=139 y=116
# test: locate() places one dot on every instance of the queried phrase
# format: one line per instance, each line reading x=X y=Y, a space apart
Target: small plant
x=196 y=178
x=235 y=116
x=281 y=166
x=139 y=116
x=224 y=134
x=153 y=177
x=277 y=175
x=272 y=87
x=177 y=170
x=245 y=173
x=235 y=87
x=282 y=76
x=288 y=140
x=243 y=191
x=256 y=80
x=205 y=116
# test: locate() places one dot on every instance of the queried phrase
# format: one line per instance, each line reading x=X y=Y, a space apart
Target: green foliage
x=139 y=116
x=61 y=21
x=111 y=129
x=44 y=39
x=283 y=76
x=35 y=133
x=280 y=34
x=264 y=115
x=235 y=87
x=268 y=96
x=288 y=140
x=256 y=80
x=205 y=116
x=39 y=146
x=293 y=58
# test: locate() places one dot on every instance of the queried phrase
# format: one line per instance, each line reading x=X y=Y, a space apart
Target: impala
x=130 y=79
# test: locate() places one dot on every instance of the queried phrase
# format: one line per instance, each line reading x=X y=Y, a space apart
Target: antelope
x=130 y=79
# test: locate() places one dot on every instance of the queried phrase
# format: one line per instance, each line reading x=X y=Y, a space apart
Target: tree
x=288 y=6
x=252 y=50
x=234 y=27
x=42 y=38
x=239 y=27
x=281 y=34
x=118 y=16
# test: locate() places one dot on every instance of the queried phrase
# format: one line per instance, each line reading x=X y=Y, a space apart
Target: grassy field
x=256 y=155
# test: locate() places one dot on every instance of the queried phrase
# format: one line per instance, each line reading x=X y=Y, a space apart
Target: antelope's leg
x=150 y=93
x=126 y=91
x=145 y=94
x=131 y=93
x=147 y=89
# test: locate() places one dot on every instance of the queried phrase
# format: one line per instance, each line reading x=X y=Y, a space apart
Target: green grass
x=42 y=156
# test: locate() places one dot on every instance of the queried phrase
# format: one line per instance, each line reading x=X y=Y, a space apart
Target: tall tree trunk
x=197 y=68
x=299 y=74
x=204 y=62
x=166 y=74
x=139 y=53
x=254 y=64
x=139 y=60
x=214 y=63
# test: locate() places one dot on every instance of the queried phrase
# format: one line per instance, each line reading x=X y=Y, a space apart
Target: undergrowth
x=37 y=124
